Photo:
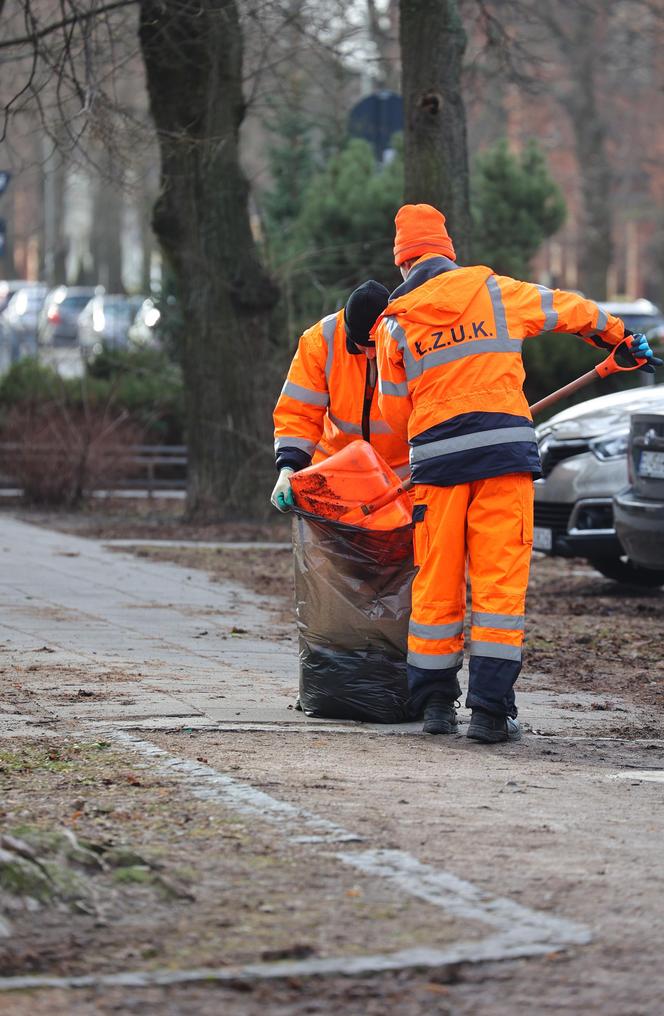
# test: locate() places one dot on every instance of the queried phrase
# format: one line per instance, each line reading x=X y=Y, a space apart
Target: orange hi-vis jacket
x=328 y=401
x=450 y=370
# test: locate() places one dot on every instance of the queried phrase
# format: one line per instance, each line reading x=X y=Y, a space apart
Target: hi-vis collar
x=420 y=274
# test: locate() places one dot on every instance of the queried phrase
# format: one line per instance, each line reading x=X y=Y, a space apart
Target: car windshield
x=119 y=309
x=6 y=295
x=25 y=299
x=75 y=301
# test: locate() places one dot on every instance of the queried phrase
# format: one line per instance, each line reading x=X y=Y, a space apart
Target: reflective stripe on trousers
x=485 y=525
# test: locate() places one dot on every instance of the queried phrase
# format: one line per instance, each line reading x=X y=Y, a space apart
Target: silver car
x=584 y=464
x=57 y=334
x=637 y=315
x=639 y=510
x=106 y=320
x=18 y=323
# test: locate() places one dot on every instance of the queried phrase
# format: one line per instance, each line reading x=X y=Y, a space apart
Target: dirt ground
x=586 y=633
x=149 y=519
x=107 y=864
x=147 y=875
x=142 y=876
x=139 y=875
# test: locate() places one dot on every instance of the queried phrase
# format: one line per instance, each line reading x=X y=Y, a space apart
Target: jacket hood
x=448 y=295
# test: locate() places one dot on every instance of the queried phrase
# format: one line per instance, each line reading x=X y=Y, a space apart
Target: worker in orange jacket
x=328 y=398
x=450 y=380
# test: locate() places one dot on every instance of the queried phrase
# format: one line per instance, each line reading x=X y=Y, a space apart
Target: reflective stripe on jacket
x=328 y=401
x=450 y=369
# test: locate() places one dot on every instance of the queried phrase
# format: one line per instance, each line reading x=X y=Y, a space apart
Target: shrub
x=65 y=437
x=28 y=382
x=516 y=205
x=57 y=453
x=143 y=382
x=146 y=383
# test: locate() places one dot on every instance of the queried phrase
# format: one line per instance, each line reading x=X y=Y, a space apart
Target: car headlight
x=611 y=447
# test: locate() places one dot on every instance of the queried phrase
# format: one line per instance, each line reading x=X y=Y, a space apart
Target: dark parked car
x=58 y=321
x=18 y=323
x=639 y=510
x=106 y=320
x=57 y=332
x=7 y=289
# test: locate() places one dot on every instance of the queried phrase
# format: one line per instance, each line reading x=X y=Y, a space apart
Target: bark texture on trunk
x=433 y=41
x=106 y=239
x=595 y=243
x=582 y=37
x=193 y=56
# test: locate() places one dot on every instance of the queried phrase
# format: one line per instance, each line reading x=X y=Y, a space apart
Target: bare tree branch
x=37 y=34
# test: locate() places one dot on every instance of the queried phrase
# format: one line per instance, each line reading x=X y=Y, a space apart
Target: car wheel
x=622 y=570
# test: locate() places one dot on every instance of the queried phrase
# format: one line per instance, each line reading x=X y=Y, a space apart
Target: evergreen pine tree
x=516 y=205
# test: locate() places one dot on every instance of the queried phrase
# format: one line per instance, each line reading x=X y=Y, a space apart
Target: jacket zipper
x=369 y=388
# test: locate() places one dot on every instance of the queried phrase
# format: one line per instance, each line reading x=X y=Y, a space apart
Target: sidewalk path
x=89 y=633
x=170 y=645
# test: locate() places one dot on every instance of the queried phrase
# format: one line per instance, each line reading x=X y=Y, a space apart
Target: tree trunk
x=433 y=41
x=53 y=267
x=384 y=33
x=595 y=244
x=147 y=242
x=193 y=57
x=579 y=85
x=595 y=241
x=107 y=224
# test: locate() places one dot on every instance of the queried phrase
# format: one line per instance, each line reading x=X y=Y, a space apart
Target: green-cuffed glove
x=282 y=495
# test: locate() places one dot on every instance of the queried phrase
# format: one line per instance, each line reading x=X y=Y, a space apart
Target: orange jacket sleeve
x=300 y=411
x=393 y=398
x=531 y=310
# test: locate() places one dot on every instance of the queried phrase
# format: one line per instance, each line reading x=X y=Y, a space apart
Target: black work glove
x=636 y=347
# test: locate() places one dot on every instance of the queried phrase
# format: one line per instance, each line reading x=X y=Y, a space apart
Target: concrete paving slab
x=579 y=712
x=23 y=725
x=258 y=714
x=142 y=706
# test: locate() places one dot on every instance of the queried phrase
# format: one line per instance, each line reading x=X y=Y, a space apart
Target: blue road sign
x=377 y=118
x=5 y=177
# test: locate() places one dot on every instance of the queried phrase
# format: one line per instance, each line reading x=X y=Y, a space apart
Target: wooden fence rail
x=152 y=467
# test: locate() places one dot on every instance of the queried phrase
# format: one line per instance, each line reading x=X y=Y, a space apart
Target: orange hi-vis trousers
x=484 y=527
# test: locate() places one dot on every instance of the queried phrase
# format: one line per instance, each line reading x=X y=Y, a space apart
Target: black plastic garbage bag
x=352 y=593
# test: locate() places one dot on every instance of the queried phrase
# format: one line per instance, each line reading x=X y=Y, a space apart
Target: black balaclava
x=364 y=305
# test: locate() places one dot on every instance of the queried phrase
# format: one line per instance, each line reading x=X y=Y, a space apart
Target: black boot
x=491 y=729
x=439 y=714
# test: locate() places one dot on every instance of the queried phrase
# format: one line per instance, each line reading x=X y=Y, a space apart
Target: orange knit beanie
x=421 y=230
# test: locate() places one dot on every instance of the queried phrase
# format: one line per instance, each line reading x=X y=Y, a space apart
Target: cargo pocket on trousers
x=420 y=535
x=527 y=510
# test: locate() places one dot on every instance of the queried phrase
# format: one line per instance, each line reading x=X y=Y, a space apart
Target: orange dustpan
x=341 y=487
